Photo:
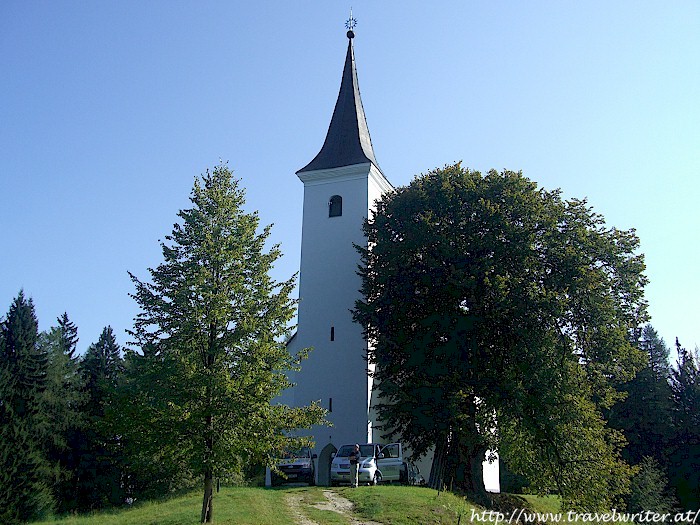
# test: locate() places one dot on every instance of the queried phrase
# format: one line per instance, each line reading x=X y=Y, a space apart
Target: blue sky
x=108 y=110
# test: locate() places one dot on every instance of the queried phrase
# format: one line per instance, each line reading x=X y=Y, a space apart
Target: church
x=341 y=184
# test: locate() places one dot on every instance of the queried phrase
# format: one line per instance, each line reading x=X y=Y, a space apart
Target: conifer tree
x=211 y=327
x=64 y=398
x=24 y=471
x=69 y=335
x=645 y=415
x=685 y=459
x=99 y=482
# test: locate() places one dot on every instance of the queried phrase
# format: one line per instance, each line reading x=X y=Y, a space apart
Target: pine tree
x=685 y=460
x=99 y=481
x=650 y=489
x=69 y=335
x=25 y=473
x=645 y=415
x=211 y=325
x=63 y=399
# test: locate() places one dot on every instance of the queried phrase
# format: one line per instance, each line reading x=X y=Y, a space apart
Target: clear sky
x=108 y=110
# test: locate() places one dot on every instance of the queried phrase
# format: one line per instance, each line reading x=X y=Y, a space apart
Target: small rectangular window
x=330 y=404
x=332 y=333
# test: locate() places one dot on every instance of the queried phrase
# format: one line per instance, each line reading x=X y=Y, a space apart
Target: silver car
x=378 y=463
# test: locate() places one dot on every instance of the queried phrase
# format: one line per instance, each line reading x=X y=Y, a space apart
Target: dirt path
x=334 y=503
x=341 y=505
x=294 y=502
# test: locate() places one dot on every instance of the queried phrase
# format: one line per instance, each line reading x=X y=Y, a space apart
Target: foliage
x=685 y=458
x=97 y=447
x=68 y=333
x=649 y=490
x=63 y=404
x=487 y=300
x=645 y=415
x=210 y=329
x=24 y=471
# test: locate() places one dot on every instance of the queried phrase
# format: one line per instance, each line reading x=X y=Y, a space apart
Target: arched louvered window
x=335 y=206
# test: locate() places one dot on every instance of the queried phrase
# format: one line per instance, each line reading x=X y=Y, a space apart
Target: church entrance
x=324 y=465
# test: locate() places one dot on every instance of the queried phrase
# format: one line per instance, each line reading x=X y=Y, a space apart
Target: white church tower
x=341 y=185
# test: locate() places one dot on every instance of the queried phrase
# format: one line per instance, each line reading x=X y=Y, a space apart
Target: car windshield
x=366 y=451
x=298 y=453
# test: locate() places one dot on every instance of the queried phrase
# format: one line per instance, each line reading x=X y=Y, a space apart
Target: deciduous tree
x=211 y=327
x=500 y=317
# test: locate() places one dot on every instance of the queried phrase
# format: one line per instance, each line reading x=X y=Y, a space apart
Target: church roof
x=347 y=141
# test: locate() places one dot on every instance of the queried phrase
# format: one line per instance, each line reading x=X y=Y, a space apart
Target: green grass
x=232 y=506
x=396 y=505
x=391 y=505
x=544 y=503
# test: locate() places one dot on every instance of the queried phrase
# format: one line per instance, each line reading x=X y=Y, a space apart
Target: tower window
x=330 y=404
x=332 y=333
x=335 y=206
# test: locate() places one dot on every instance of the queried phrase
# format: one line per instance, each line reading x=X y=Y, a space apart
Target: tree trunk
x=208 y=501
x=458 y=460
x=474 y=475
x=437 y=469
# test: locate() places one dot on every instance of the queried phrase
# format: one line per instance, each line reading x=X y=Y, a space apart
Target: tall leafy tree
x=685 y=458
x=25 y=473
x=211 y=325
x=500 y=318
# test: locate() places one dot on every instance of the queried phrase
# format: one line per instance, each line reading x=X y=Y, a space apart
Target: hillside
x=396 y=505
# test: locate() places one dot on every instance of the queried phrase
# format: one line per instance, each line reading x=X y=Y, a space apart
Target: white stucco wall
x=328 y=288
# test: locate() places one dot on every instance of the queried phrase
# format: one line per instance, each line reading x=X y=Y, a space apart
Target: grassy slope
x=393 y=505
x=232 y=506
x=408 y=505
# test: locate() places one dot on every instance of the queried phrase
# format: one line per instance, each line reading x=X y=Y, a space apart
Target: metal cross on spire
x=350 y=25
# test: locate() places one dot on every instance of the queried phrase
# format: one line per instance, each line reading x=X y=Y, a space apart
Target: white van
x=378 y=463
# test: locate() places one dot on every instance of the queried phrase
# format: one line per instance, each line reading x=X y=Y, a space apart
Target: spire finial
x=350 y=24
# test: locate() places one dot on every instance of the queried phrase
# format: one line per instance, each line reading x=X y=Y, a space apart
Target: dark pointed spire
x=347 y=141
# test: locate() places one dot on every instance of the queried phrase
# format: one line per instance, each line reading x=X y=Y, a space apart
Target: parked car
x=378 y=463
x=296 y=465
